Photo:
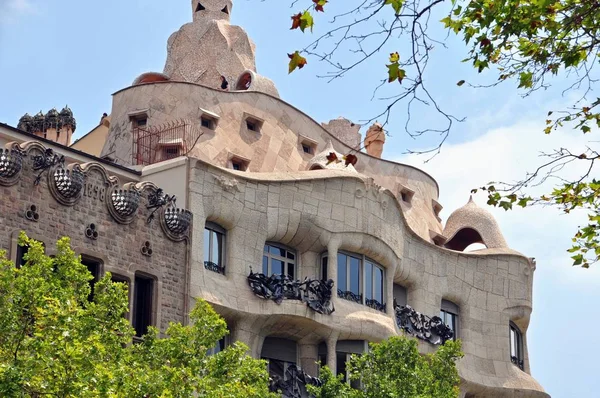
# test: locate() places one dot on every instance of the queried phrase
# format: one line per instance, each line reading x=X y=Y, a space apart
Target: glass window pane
x=277 y=251
x=513 y=341
x=265 y=265
x=354 y=275
x=368 y=280
x=378 y=288
x=276 y=266
x=450 y=321
x=443 y=316
x=291 y=270
x=207 y=245
x=266 y=248
x=291 y=255
x=324 y=272
x=216 y=248
x=342 y=273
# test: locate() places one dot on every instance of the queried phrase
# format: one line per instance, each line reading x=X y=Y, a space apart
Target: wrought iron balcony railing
x=376 y=305
x=518 y=362
x=430 y=329
x=219 y=269
x=294 y=385
x=315 y=293
x=350 y=296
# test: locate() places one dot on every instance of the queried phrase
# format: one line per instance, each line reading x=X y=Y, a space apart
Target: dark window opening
x=94 y=266
x=239 y=164
x=225 y=10
x=21 y=252
x=236 y=165
x=207 y=122
x=251 y=125
x=141 y=122
x=307 y=149
x=143 y=300
x=200 y=7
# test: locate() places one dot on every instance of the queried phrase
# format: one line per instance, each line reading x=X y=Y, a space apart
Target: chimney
x=374 y=140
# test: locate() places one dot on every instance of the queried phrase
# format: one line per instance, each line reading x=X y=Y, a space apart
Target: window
x=21 y=252
x=142 y=304
x=94 y=266
x=171 y=151
x=200 y=7
x=349 y=277
x=344 y=350
x=374 y=286
x=449 y=315
x=207 y=122
x=220 y=346
x=238 y=163
x=309 y=146
x=214 y=246
x=140 y=121
x=278 y=259
x=225 y=10
x=253 y=123
x=406 y=194
x=280 y=354
x=122 y=279
x=516 y=346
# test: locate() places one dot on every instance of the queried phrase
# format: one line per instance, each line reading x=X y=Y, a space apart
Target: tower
x=54 y=126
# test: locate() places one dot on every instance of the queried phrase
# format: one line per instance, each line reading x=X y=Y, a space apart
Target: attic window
x=139 y=120
x=406 y=194
x=225 y=10
x=308 y=146
x=200 y=7
x=208 y=119
x=238 y=163
x=253 y=123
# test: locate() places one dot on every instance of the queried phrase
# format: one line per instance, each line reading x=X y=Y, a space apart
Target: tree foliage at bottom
x=395 y=369
x=54 y=342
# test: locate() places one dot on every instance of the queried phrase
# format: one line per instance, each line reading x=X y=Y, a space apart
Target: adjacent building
x=308 y=258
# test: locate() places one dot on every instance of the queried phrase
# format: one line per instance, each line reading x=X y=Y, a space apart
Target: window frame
x=362 y=281
x=286 y=260
x=150 y=308
x=518 y=359
x=216 y=229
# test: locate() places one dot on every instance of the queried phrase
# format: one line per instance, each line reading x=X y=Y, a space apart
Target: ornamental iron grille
x=157 y=200
x=350 y=296
x=68 y=182
x=430 y=329
x=209 y=265
x=45 y=161
x=11 y=163
x=126 y=201
x=518 y=362
x=315 y=293
x=376 y=305
x=294 y=385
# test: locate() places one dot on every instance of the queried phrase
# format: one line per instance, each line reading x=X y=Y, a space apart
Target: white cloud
x=10 y=10
x=505 y=154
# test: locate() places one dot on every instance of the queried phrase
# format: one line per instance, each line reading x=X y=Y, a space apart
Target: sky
x=77 y=53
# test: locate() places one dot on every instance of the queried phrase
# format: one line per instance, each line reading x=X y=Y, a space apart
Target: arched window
x=279 y=259
x=214 y=248
x=449 y=315
x=516 y=345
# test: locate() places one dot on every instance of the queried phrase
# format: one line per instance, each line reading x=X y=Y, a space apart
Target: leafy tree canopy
x=395 y=369
x=55 y=342
x=524 y=41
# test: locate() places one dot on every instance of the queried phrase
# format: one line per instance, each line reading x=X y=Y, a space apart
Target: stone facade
x=82 y=201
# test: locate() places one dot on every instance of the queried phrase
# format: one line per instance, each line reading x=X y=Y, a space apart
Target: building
x=271 y=209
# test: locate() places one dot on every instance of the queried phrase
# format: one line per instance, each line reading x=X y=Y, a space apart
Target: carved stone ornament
x=147 y=249
x=177 y=220
x=91 y=232
x=31 y=213
x=294 y=383
x=228 y=184
x=315 y=293
x=11 y=164
x=66 y=184
x=430 y=329
x=124 y=202
x=46 y=160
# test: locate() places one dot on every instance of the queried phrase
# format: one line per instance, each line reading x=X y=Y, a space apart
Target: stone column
x=332 y=250
x=309 y=355
x=243 y=332
x=331 y=353
x=390 y=272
